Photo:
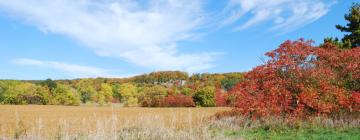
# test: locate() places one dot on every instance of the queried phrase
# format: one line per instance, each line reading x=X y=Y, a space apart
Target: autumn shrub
x=153 y=96
x=301 y=80
x=355 y=99
x=179 y=100
x=205 y=96
x=221 y=98
x=187 y=91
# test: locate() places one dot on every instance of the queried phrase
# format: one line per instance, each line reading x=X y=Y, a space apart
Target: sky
x=67 y=39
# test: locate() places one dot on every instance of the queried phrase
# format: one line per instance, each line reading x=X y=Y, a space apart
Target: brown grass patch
x=39 y=121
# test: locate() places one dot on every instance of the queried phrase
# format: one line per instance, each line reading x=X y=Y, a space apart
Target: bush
x=153 y=96
x=205 y=96
x=355 y=99
x=221 y=98
x=300 y=80
x=187 y=91
x=179 y=101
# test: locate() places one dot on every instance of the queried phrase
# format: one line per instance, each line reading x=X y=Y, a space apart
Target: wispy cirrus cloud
x=285 y=15
x=73 y=70
x=145 y=33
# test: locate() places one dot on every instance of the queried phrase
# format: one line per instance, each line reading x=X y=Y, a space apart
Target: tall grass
x=98 y=123
x=94 y=123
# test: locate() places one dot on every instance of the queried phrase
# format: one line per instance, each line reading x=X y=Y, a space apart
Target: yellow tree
x=105 y=94
x=129 y=94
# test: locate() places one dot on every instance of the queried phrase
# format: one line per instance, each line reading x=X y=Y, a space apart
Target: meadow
x=89 y=122
x=43 y=122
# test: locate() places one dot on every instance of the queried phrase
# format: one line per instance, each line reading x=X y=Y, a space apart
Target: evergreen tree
x=352 y=39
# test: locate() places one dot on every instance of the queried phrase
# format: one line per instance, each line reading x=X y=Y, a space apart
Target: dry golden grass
x=82 y=122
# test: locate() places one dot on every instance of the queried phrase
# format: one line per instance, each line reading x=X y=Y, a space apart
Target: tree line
x=156 y=89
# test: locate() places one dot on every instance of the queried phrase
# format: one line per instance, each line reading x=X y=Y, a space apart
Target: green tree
x=116 y=92
x=65 y=95
x=86 y=89
x=187 y=91
x=4 y=86
x=205 y=96
x=49 y=83
x=335 y=41
x=352 y=39
x=105 y=94
x=129 y=94
x=230 y=80
x=24 y=93
x=2 y=90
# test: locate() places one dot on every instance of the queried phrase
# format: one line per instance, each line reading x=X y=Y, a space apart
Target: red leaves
x=221 y=98
x=179 y=101
x=355 y=97
x=300 y=80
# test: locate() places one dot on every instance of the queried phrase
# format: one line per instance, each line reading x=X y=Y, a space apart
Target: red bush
x=221 y=98
x=179 y=101
x=301 y=80
x=355 y=97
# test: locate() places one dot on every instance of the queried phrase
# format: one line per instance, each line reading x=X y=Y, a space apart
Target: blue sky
x=68 y=39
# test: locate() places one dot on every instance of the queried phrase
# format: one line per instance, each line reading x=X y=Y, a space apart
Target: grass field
x=37 y=122
x=82 y=122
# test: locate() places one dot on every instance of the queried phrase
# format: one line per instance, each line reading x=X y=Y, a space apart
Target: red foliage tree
x=179 y=100
x=301 y=80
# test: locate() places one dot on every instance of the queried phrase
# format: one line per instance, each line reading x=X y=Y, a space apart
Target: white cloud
x=286 y=15
x=145 y=34
x=73 y=70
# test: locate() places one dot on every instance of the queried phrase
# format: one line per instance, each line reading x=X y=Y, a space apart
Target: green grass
x=311 y=133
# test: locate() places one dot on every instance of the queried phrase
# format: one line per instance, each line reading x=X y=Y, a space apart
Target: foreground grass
x=96 y=123
x=301 y=134
x=85 y=122
x=276 y=129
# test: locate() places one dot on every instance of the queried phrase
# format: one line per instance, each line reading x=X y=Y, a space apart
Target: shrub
x=221 y=98
x=179 y=101
x=355 y=98
x=187 y=91
x=205 y=96
x=300 y=80
x=153 y=96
